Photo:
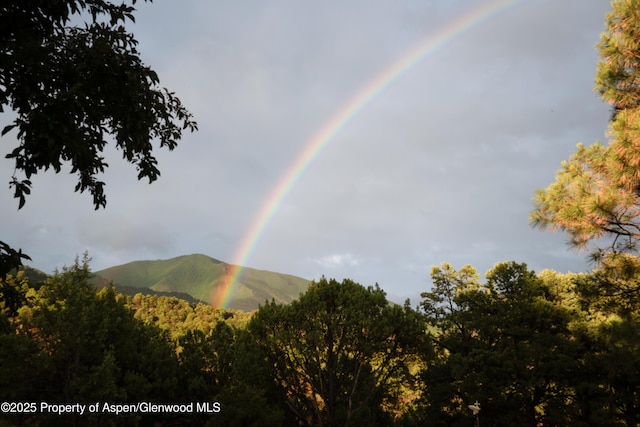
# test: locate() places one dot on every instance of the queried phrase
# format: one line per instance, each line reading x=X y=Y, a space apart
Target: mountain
x=201 y=277
x=35 y=277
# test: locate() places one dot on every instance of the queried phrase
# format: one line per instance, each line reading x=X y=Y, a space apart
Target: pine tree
x=595 y=194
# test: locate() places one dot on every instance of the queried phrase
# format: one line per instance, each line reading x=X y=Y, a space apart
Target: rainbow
x=335 y=124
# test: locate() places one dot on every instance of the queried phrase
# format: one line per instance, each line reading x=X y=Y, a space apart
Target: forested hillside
x=200 y=277
x=532 y=348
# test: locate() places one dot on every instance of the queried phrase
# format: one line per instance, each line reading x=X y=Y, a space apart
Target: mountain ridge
x=201 y=277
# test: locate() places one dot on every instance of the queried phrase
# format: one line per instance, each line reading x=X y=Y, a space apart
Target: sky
x=440 y=165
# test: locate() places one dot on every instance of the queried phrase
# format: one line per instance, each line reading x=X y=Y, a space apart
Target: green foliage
x=586 y=202
x=252 y=398
x=69 y=342
x=595 y=194
x=610 y=332
x=619 y=65
x=12 y=293
x=547 y=349
x=534 y=350
x=19 y=356
x=595 y=199
x=505 y=344
x=172 y=314
x=340 y=352
x=227 y=366
x=440 y=305
x=75 y=87
x=86 y=348
x=10 y=259
x=201 y=276
x=11 y=296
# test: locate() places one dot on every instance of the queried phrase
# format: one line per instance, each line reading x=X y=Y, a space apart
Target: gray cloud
x=441 y=166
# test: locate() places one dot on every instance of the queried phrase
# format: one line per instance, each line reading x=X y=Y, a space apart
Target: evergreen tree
x=610 y=332
x=595 y=194
x=505 y=344
x=87 y=347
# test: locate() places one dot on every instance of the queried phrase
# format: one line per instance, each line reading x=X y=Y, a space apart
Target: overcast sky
x=441 y=166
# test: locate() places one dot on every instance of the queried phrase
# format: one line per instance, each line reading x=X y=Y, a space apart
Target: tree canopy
x=74 y=87
x=71 y=74
x=339 y=352
x=595 y=195
x=533 y=349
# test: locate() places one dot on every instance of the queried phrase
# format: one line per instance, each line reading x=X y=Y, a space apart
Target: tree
x=595 y=197
x=441 y=305
x=207 y=361
x=505 y=344
x=73 y=88
x=227 y=366
x=250 y=398
x=10 y=259
x=87 y=347
x=619 y=66
x=339 y=352
x=609 y=297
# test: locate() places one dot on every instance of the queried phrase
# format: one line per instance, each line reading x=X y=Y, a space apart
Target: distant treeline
x=543 y=349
